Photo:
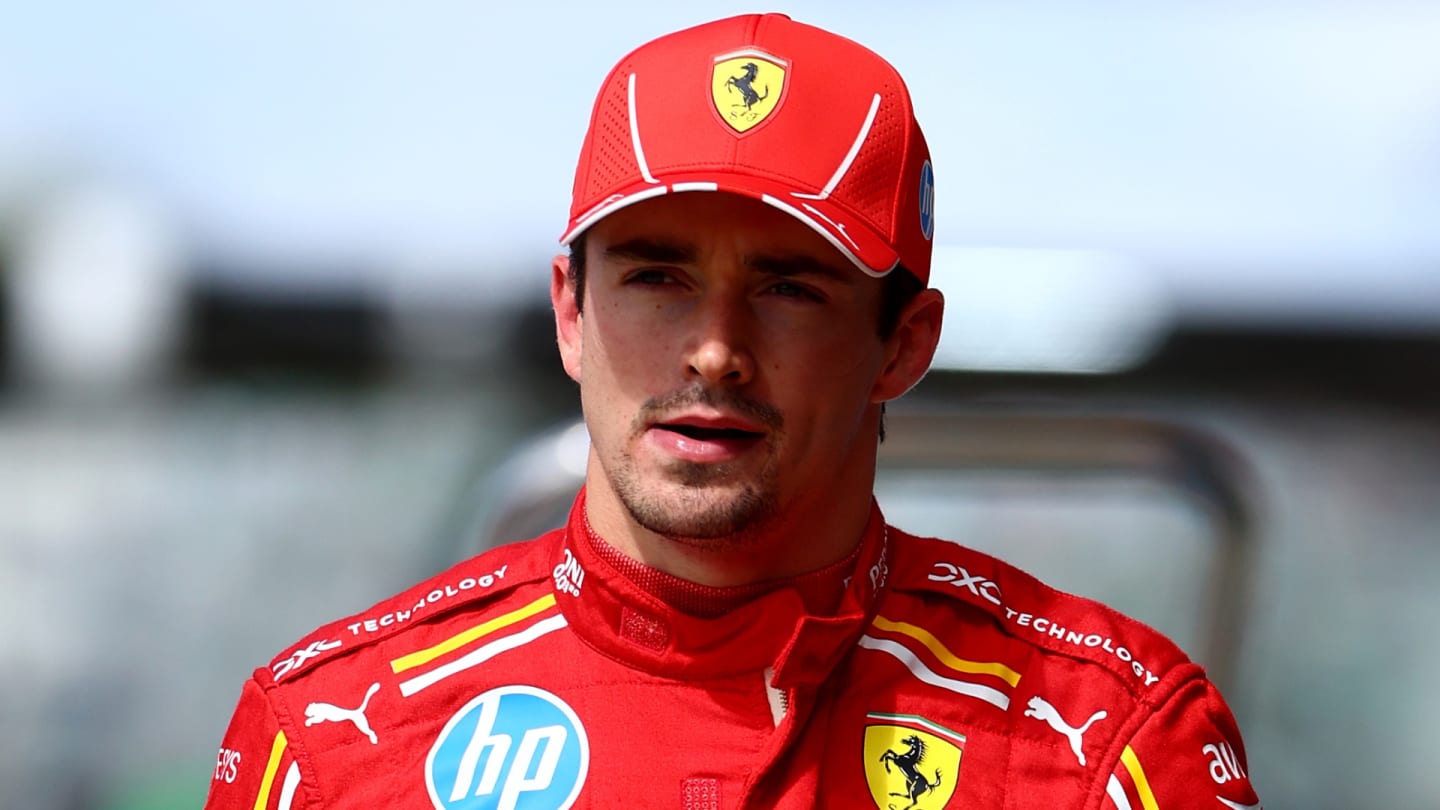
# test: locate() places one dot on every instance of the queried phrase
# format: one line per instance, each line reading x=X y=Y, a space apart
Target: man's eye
x=786 y=289
x=649 y=277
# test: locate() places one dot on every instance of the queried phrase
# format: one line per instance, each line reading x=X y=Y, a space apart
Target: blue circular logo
x=927 y=200
x=513 y=747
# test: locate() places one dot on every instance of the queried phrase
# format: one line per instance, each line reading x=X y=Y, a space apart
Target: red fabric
x=534 y=676
x=820 y=590
x=252 y=764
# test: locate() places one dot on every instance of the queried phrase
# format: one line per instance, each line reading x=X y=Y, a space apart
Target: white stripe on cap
x=839 y=226
x=605 y=210
x=849 y=157
x=829 y=236
x=635 y=136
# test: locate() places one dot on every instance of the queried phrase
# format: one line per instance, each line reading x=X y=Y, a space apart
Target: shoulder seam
x=1145 y=709
x=980 y=592
x=294 y=740
x=338 y=639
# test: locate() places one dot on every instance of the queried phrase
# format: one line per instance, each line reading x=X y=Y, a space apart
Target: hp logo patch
x=512 y=748
x=927 y=200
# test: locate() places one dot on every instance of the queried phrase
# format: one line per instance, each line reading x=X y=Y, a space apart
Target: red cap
x=789 y=114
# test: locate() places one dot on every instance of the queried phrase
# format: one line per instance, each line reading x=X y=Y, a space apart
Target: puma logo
x=1041 y=709
x=326 y=712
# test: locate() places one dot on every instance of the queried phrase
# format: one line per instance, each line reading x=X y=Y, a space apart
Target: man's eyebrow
x=800 y=265
x=651 y=250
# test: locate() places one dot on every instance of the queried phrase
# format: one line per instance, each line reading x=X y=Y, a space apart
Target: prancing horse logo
x=916 y=784
x=745 y=83
x=910 y=762
x=746 y=87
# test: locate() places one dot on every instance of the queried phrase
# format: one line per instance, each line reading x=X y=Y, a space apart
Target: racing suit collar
x=821 y=590
x=774 y=630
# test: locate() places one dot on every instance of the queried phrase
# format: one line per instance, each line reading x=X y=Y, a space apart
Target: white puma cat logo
x=1041 y=708
x=323 y=712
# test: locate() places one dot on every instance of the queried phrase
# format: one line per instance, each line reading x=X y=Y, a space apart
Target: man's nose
x=721 y=351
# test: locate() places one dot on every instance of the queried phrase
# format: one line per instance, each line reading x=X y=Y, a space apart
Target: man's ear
x=911 y=347
x=567 y=315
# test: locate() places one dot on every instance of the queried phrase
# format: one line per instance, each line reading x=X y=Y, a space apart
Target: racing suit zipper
x=788 y=709
x=779 y=699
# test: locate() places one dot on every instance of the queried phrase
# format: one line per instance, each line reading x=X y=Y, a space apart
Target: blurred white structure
x=1047 y=311
x=96 y=288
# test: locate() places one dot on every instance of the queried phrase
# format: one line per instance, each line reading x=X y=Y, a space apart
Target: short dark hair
x=898 y=288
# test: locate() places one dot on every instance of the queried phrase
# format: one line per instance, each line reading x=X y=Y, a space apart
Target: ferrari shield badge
x=910 y=762
x=746 y=87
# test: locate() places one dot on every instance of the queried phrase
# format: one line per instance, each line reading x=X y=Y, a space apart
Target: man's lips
x=708 y=429
x=703 y=439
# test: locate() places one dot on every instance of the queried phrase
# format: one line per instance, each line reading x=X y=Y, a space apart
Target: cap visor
x=860 y=244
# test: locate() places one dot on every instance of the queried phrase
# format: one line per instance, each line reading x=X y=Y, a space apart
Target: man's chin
x=701 y=513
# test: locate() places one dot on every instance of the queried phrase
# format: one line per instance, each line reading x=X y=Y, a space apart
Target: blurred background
x=273 y=320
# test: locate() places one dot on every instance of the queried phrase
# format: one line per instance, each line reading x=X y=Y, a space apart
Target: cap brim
x=866 y=249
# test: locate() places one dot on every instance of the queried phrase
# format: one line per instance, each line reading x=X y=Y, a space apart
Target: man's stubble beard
x=703 y=505
x=694 y=507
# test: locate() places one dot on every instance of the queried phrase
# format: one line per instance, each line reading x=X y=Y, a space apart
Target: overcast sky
x=1244 y=152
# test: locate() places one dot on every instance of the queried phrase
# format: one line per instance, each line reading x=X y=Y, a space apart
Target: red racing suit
x=536 y=677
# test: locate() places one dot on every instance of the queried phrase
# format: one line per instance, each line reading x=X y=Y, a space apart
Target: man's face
x=729 y=364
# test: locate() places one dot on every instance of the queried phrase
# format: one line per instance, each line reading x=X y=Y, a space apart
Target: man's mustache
x=656 y=408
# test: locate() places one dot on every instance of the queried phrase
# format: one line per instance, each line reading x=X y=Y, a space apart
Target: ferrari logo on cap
x=910 y=762
x=746 y=87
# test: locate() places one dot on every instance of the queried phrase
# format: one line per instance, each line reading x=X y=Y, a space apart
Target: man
x=727 y=621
